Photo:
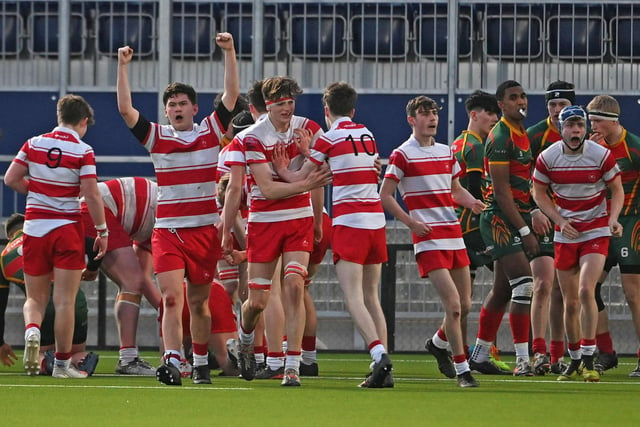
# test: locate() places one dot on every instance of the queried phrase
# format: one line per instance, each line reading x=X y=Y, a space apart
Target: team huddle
x=236 y=214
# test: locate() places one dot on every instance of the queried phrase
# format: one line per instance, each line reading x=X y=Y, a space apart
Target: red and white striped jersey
x=56 y=162
x=259 y=142
x=185 y=163
x=222 y=158
x=578 y=182
x=424 y=176
x=351 y=152
x=133 y=201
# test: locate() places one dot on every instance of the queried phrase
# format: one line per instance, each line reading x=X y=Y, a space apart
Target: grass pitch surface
x=421 y=397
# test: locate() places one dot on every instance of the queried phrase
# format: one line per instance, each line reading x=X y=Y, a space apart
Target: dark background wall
x=32 y=113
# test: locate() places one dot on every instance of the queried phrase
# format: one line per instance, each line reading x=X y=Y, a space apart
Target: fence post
x=102 y=310
x=388 y=295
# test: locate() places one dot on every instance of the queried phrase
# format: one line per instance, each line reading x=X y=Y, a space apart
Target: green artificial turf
x=421 y=397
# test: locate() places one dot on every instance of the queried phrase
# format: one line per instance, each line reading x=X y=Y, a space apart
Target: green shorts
x=81 y=322
x=625 y=250
x=546 y=244
x=476 y=249
x=500 y=237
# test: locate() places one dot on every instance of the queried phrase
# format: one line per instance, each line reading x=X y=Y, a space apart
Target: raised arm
x=231 y=78
x=125 y=106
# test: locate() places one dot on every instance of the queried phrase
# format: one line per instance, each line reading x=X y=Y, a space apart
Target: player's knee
x=465 y=307
x=521 y=289
x=295 y=268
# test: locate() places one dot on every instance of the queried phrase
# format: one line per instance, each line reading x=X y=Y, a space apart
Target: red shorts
x=222 y=317
x=118 y=237
x=62 y=248
x=433 y=260
x=194 y=249
x=320 y=249
x=359 y=245
x=266 y=241
x=567 y=255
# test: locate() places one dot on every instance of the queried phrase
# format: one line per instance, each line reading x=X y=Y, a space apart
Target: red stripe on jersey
x=352 y=177
x=186 y=209
x=575 y=176
x=520 y=170
x=167 y=177
x=452 y=231
x=295 y=202
x=53 y=189
x=441 y=165
x=428 y=200
x=357 y=207
x=581 y=205
x=143 y=195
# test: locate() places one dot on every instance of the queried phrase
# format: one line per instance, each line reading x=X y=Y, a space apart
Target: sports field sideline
x=421 y=397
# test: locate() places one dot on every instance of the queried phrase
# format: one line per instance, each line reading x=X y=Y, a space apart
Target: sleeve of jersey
x=221 y=116
x=474 y=159
x=456 y=170
x=319 y=151
x=88 y=167
x=541 y=172
x=610 y=167
x=496 y=148
x=395 y=169
x=254 y=150
x=142 y=130
x=315 y=129
x=215 y=124
x=235 y=154
x=22 y=156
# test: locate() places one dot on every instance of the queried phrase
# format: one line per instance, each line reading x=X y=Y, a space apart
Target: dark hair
x=340 y=98
x=502 y=88
x=275 y=88
x=560 y=90
x=13 y=223
x=241 y=104
x=177 y=88
x=72 y=109
x=254 y=95
x=421 y=103
x=483 y=101
x=241 y=121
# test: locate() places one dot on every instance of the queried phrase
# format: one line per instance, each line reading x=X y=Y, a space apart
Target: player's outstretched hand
x=7 y=356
